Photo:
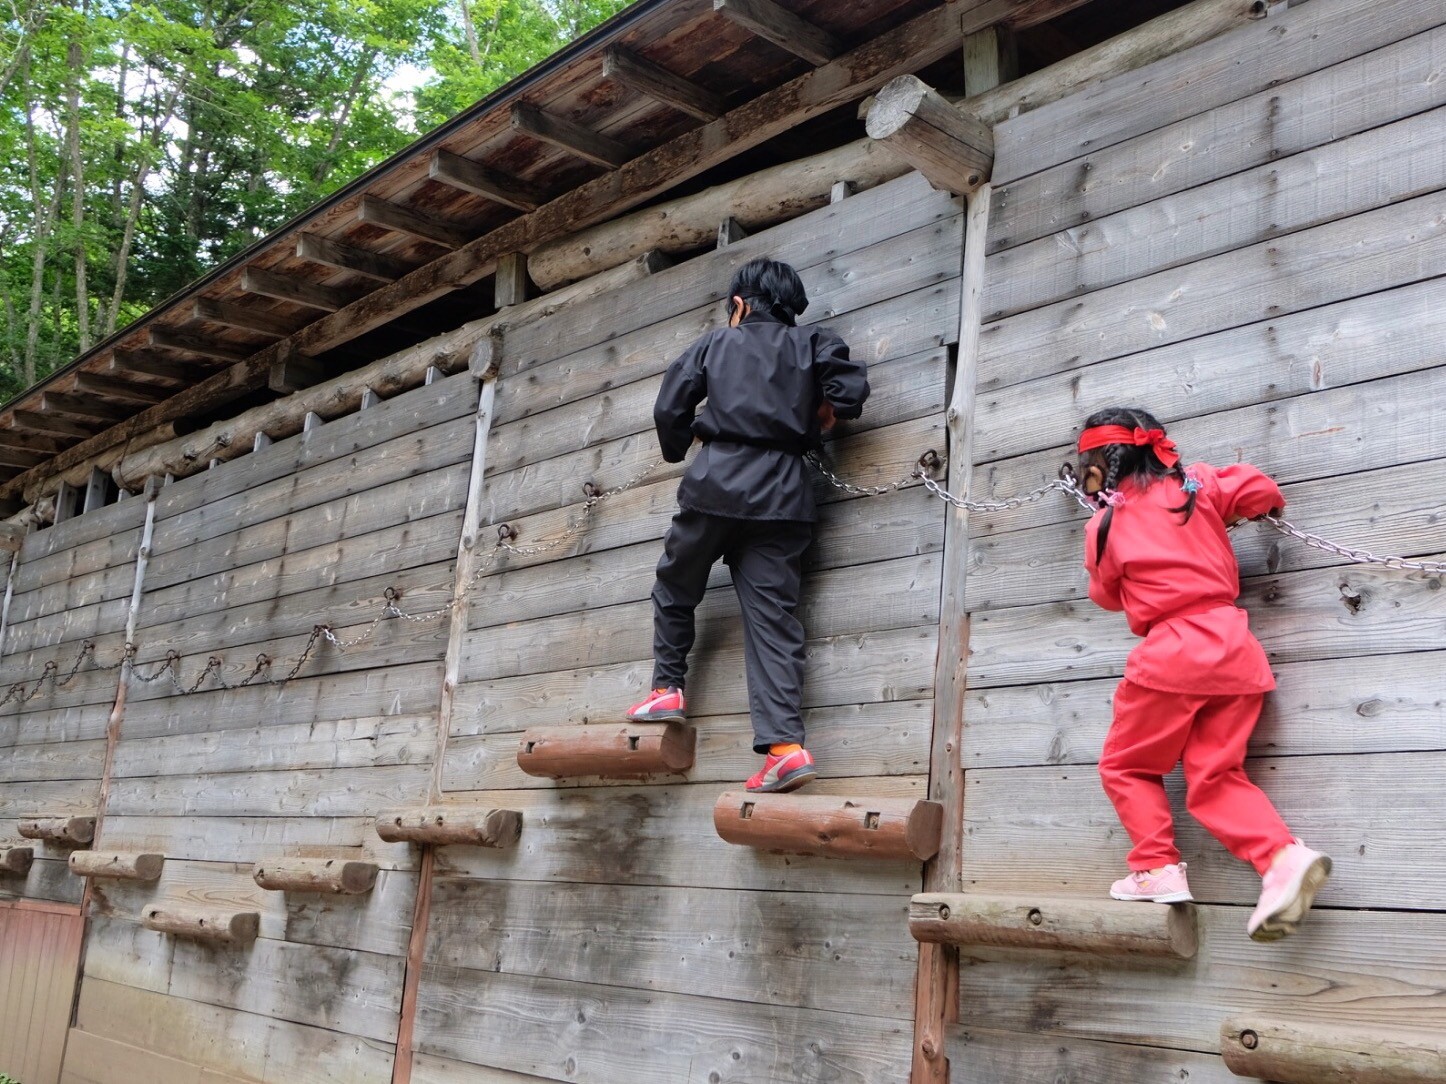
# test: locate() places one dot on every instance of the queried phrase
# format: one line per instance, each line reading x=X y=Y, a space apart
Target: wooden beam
x=399 y=219
x=511 y=281
x=991 y=58
x=80 y=408
x=21 y=459
x=176 y=339
x=654 y=81
x=294 y=372
x=226 y=927
x=1292 y=1052
x=242 y=317
x=782 y=27
x=257 y=280
x=1099 y=927
x=15 y=861
x=953 y=149
x=51 y=424
x=67 y=505
x=122 y=390
x=117 y=866
x=931 y=36
x=881 y=829
x=569 y=136
x=608 y=751
x=164 y=373
x=333 y=876
x=30 y=442
x=446 y=824
x=344 y=257
x=730 y=232
x=97 y=487
x=462 y=173
x=1029 y=13
x=68 y=831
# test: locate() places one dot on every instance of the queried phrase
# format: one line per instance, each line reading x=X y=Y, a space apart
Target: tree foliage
x=142 y=143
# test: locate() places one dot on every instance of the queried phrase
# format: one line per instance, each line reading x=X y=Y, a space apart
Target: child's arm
x=685 y=385
x=1245 y=492
x=843 y=380
x=1104 y=581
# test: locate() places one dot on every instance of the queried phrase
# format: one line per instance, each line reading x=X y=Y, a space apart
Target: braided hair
x=1129 y=461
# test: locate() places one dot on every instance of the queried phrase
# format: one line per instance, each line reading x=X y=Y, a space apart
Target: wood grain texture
x=1302 y=1053
x=984 y=1056
x=1105 y=928
x=618 y=751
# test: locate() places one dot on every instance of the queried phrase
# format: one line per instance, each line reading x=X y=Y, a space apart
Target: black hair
x=1134 y=461
x=772 y=286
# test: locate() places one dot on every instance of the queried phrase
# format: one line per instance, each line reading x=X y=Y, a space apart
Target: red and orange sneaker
x=781 y=774
x=661 y=706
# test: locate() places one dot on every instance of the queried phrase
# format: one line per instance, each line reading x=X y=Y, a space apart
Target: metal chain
x=1350 y=553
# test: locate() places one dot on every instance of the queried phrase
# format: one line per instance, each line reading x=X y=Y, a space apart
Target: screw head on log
x=1249 y=1039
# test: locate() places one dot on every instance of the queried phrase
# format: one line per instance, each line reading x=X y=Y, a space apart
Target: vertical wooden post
x=485 y=364
x=991 y=57
x=937 y=985
x=9 y=594
x=510 y=283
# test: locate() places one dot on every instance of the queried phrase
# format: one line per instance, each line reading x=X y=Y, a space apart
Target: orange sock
x=783 y=750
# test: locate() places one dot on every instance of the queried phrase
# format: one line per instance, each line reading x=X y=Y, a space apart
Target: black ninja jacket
x=764 y=382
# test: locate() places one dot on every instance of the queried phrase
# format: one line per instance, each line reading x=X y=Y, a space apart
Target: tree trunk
x=74 y=60
x=471 y=30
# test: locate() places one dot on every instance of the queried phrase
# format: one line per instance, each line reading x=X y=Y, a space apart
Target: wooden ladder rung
x=227 y=927
x=1295 y=1052
x=69 y=831
x=609 y=751
x=15 y=861
x=336 y=876
x=442 y=825
x=1099 y=927
x=882 y=829
x=125 y=867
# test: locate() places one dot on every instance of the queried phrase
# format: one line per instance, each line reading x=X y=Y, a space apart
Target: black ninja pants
x=765 y=558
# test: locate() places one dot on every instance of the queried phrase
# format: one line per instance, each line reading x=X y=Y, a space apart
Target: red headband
x=1154 y=439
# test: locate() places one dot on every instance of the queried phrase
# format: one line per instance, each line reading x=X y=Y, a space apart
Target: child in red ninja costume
x=1193 y=688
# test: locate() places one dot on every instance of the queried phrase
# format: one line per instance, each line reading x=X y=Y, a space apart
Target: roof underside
x=656 y=72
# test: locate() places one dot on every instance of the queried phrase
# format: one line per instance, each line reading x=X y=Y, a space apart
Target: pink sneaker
x=1167 y=886
x=661 y=706
x=1287 y=891
x=781 y=774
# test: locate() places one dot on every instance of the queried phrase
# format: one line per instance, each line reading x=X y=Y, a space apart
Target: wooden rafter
x=242 y=318
x=344 y=257
x=256 y=280
x=30 y=442
x=399 y=219
x=462 y=173
x=149 y=369
x=110 y=387
x=20 y=459
x=79 y=408
x=584 y=143
x=168 y=338
x=782 y=27
x=656 y=82
x=51 y=424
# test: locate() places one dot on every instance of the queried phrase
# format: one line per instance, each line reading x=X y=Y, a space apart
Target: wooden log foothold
x=124 y=867
x=883 y=829
x=15 y=861
x=1291 y=1052
x=622 y=751
x=1098 y=927
x=441 y=825
x=952 y=148
x=227 y=927
x=337 y=876
x=66 y=831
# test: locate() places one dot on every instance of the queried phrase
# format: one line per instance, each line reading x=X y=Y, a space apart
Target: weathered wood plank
x=893 y=665
x=1340 y=101
x=44 y=727
x=601 y=1033
x=1378 y=703
x=1067 y=812
x=1390 y=246
x=379 y=921
x=227 y=1040
x=1225 y=69
x=1363 y=338
x=854 y=740
x=48 y=800
x=1378 y=167
x=429 y=1069
x=346 y=990
x=221 y=839
x=1363 y=968
x=663 y=835
x=90 y=1059
x=854 y=957
x=49 y=879
x=101 y=524
x=979 y=1056
x=339 y=792
x=901 y=594
x=59 y=760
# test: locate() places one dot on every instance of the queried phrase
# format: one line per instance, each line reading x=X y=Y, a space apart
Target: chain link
x=1350 y=553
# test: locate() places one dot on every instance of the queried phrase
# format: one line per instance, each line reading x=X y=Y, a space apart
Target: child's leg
x=1219 y=794
x=695 y=541
x=766 y=561
x=1143 y=746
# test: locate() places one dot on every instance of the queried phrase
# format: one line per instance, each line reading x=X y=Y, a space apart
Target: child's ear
x=738 y=310
x=1093 y=480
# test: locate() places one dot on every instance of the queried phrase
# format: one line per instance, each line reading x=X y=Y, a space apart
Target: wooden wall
x=622 y=940
x=1249 y=239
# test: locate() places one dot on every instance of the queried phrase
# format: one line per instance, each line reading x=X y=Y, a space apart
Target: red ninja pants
x=1152 y=732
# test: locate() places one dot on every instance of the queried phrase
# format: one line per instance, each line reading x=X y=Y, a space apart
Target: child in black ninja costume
x=772 y=388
